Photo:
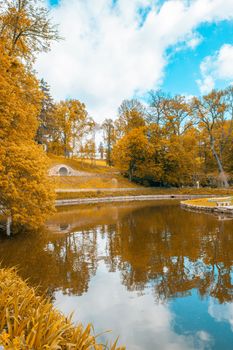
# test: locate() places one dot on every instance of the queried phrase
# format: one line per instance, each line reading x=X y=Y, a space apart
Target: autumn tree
x=131 y=115
x=164 y=161
x=90 y=150
x=172 y=113
x=26 y=28
x=109 y=134
x=132 y=153
x=170 y=128
x=227 y=131
x=101 y=150
x=20 y=100
x=211 y=111
x=179 y=159
x=71 y=124
x=158 y=105
x=46 y=116
x=177 y=116
x=26 y=195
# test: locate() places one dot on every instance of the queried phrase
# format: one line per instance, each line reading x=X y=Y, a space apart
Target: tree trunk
x=131 y=170
x=8 y=226
x=220 y=167
x=130 y=176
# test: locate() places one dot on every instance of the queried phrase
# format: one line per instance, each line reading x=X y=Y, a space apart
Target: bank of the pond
x=131 y=198
x=29 y=321
x=209 y=204
x=74 y=193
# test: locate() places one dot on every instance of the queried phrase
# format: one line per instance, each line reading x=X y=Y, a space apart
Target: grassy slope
x=101 y=176
x=95 y=181
x=104 y=176
x=100 y=167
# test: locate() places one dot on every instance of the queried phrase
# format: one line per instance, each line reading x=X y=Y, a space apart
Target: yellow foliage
x=29 y=321
x=131 y=153
x=25 y=191
x=143 y=154
x=25 y=28
x=19 y=100
x=27 y=194
x=130 y=115
x=71 y=122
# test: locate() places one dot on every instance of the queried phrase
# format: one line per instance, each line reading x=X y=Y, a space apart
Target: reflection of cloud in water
x=140 y=322
x=203 y=340
x=221 y=312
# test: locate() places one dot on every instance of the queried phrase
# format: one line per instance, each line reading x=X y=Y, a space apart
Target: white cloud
x=194 y=40
x=225 y=59
x=221 y=312
x=112 y=52
x=216 y=67
x=206 y=84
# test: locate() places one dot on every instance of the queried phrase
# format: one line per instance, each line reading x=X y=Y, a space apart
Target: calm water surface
x=160 y=277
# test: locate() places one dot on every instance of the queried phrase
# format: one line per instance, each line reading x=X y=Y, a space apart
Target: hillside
x=105 y=181
x=101 y=176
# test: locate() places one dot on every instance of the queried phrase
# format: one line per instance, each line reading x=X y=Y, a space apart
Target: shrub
x=29 y=321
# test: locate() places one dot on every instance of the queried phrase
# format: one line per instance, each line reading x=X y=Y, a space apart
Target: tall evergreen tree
x=46 y=116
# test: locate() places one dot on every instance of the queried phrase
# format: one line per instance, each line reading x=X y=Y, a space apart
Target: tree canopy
x=26 y=193
x=190 y=139
x=26 y=28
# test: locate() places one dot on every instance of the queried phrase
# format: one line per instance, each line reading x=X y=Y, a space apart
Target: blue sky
x=54 y=2
x=183 y=70
x=111 y=53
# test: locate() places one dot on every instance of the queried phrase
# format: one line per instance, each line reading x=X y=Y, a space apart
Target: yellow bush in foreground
x=29 y=321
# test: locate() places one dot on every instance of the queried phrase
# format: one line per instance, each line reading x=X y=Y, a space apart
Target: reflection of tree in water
x=66 y=263
x=76 y=259
x=160 y=247
x=174 y=251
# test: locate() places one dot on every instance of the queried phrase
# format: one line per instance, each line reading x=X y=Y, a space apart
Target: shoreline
x=205 y=208
x=197 y=207
x=77 y=201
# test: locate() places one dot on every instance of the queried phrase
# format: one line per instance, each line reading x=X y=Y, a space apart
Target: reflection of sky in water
x=184 y=323
x=221 y=312
x=158 y=276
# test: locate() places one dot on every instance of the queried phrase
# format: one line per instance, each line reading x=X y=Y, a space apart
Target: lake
x=158 y=276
